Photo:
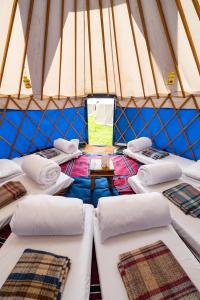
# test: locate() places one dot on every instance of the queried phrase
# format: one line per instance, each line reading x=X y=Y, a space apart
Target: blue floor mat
x=81 y=189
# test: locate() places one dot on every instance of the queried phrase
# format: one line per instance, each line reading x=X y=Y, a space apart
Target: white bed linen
x=59 y=159
x=181 y=161
x=77 y=248
x=32 y=188
x=187 y=226
x=107 y=253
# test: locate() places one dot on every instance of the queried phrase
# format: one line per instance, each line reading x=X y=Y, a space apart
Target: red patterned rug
x=124 y=168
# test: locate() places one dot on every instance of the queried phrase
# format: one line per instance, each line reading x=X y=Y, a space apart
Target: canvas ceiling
x=74 y=48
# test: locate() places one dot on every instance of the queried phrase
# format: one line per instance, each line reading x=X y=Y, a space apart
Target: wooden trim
x=75 y=46
x=197 y=7
x=61 y=44
x=12 y=18
x=135 y=44
x=148 y=45
x=45 y=45
x=30 y=13
x=187 y=31
x=104 y=46
x=164 y=23
x=116 y=47
x=90 y=43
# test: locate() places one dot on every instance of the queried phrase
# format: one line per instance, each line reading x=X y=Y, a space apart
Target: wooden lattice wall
x=173 y=124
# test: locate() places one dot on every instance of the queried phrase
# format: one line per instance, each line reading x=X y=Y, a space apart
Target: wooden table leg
x=110 y=181
x=92 y=186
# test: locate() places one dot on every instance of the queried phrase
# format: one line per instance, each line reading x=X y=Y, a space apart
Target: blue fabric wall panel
x=52 y=124
x=171 y=131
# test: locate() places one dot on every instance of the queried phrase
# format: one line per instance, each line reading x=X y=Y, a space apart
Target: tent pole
x=61 y=45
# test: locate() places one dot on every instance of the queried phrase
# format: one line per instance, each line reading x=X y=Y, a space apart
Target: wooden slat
x=90 y=44
x=116 y=47
x=104 y=46
x=45 y=44
x=197 y=7
x=61 y=44
x=169 y=42
x=12 y=18
x=187 y=31
x=148 y=45
x=75 y=47
x=30 y=13
x=135 y=44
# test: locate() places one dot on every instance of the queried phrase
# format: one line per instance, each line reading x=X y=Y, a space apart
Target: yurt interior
x=100 y=149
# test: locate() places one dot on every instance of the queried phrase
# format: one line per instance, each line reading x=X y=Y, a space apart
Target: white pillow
x=8 y=169
x=193 y=171
x=128 y=213
x=48 y=215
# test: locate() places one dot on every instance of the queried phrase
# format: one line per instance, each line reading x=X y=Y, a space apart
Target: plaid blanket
x=152 y=272
x=154 y=153
x=186 y=197
x=48 y=153
x=37 y=275
x=10 y=191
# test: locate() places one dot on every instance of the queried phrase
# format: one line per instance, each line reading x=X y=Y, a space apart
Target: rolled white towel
x=193 y=171
x=156 y=173
x=139 y=144
x=129 y=213
x=8 y=169
x=48 y=215
x=65 y=146
x=41 y=170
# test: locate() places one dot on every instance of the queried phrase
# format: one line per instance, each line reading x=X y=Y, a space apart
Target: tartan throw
x=10 y=191
x=37 y=275
x=154 y=153
x=48 y=153
x=186 y=197
x=152 y=272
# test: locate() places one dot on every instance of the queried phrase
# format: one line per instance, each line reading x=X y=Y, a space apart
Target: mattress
x=59 y=159
x=187 y=226
x=181 y=161
x=33 y=188
x=77 y=248
x=108 y=257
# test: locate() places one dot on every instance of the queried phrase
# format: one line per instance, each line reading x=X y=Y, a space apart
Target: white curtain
x=97 y=53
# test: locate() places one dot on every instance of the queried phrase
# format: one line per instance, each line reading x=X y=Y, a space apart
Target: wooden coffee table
x=108 y=173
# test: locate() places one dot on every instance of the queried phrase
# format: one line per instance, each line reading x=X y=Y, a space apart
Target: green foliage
x=99 y=134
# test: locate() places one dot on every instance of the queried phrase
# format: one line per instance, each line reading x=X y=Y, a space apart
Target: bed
x=78 y=282
x=181 y=161
x=59 y=159
x=187 y=226
x=33 y=188
x=108 y=254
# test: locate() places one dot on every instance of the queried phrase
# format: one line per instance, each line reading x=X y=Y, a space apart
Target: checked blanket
x=10 y=191
x=152 y=272
x=48 y=153
x=37 y=275
x=154 y=153
x=186 y=197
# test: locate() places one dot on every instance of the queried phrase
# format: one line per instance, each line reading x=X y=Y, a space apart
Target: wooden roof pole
x=10 y=27
x=187 y=31
x=90 y=43
x=30 y=13
x=148 y=45
x=169 y=42
x=61 y=45
x=135 y=44
x=104 y=47
x=45 y=45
